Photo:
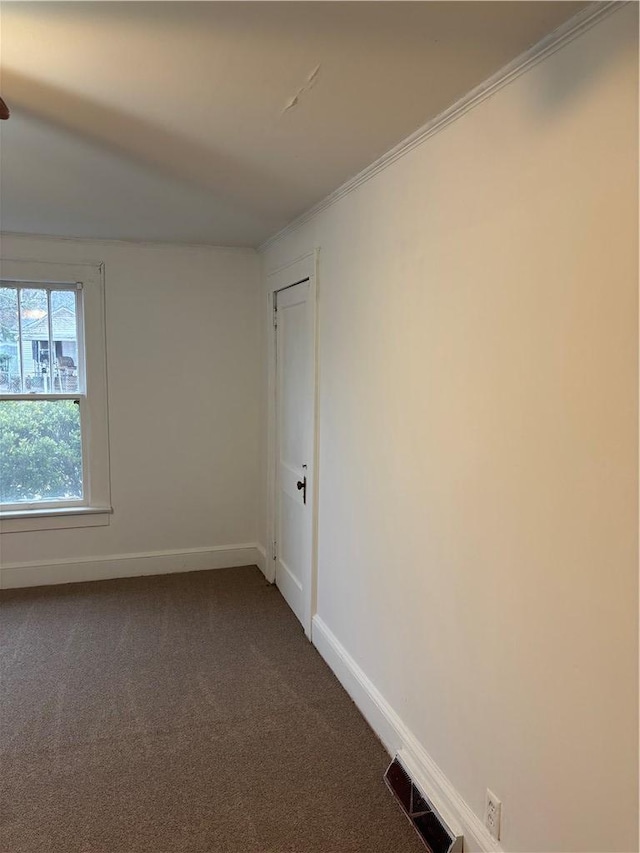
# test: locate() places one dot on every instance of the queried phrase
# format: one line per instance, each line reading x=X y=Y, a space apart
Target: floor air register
x=432 y=829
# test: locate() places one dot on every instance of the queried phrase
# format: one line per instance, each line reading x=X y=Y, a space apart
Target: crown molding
x=57 y=238
x=556 y=39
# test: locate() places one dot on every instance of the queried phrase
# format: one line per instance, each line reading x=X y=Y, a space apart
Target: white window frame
x=95 y=507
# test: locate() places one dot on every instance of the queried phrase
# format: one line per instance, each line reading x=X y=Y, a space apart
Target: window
x=54 y=468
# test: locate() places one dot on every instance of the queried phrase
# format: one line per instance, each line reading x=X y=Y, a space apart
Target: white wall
x=183 y=351
x=478 y=442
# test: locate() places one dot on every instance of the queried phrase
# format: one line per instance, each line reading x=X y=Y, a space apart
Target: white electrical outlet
x=492 y=814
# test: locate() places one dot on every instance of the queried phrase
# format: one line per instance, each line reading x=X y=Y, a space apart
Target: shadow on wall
x=575 y=76
x=146 y=143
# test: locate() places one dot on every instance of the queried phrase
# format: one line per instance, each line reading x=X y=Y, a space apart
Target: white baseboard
x=16 y=575
x=261 y=560
x=398 y=739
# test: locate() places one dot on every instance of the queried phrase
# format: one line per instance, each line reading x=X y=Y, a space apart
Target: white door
x=295 y=373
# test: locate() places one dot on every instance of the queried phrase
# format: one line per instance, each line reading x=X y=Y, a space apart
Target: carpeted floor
x=181 y=713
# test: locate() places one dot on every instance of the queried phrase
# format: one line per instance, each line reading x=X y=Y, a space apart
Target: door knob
x=302 y=484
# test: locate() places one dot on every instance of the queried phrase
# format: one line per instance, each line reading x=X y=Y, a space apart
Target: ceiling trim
x=548 y=45
x=176 y=244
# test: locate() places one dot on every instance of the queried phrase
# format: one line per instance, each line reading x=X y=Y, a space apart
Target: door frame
x=303 y=268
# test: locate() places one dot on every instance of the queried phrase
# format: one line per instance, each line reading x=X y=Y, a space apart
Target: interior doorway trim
x=303 y=268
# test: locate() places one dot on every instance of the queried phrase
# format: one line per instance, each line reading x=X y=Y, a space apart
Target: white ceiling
x=167 y=121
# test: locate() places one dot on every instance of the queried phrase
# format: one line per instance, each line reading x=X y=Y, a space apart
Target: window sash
x=79 y=395
x=25 y=506
x=58 y=503
x=49 y=288
x=35 y=396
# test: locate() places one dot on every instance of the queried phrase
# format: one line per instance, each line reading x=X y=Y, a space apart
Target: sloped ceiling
x=219 y=122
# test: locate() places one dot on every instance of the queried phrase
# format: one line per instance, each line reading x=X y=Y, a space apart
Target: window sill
x=24 y=521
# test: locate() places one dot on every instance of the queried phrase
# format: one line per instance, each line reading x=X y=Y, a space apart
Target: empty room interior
x=319 y=427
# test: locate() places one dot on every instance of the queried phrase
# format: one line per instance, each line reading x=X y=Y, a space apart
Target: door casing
x=303 y=268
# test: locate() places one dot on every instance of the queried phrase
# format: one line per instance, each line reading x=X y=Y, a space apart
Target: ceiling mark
x=312 y=79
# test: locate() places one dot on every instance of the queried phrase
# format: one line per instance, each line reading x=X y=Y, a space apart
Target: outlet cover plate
x=493 y=814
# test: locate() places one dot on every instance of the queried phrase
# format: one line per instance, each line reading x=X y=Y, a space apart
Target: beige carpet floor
x=181 y=713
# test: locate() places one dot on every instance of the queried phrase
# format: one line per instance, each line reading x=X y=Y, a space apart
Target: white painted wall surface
x=183 y=352
x=478 y=443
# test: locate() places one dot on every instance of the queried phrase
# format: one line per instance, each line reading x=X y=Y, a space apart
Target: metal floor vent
x=431 y=828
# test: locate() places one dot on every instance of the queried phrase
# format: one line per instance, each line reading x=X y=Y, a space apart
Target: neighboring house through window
x=54 y=461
